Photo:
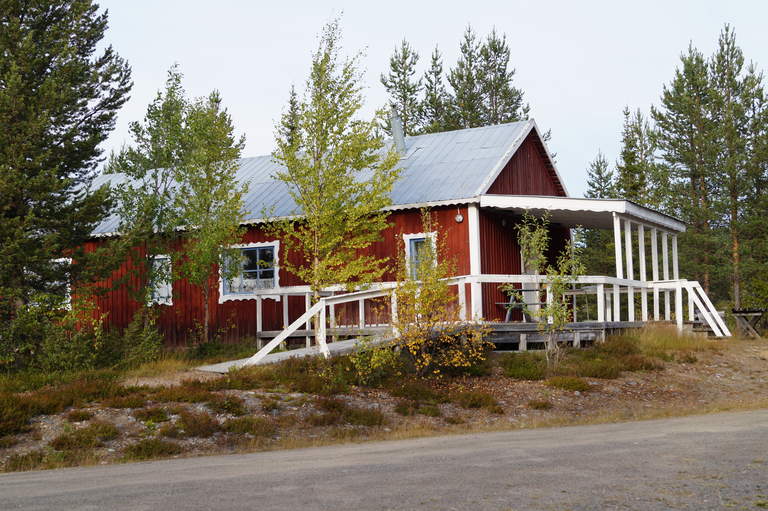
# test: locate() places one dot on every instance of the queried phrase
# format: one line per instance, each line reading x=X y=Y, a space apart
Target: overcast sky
x=578 y=62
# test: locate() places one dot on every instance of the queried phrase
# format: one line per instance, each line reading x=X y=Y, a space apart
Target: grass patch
x=540 y=404
x=130 y=401
x=270 y=405
x=151 y=448
x=154 y=414
x=430 y=410
x=27 y=461
x=198 y=424
x=572 y=383
x=256 y=426
x=232 y=405
x=165 y=366
x=475 y=399
x=525 y=365
x=337 y=411
x=79 y=416
x=93 y=435
x=418 y=392
x=185 y=393
x=663 y=341
x=8 y=441
x=406 y=407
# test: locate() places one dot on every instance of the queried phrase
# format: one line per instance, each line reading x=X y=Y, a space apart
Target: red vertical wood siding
x=236 y=319
x=528 y=172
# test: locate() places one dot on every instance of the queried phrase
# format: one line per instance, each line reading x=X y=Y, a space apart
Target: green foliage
x=524 y=365
x=142 y=341
x=418 y=392
x=256 y=426
x=93 y=435
x=62 y=87
x=151 y=448
x=336 y=174
x=232 y=405
x=375 y=364
x=467 y=105
x=402 y=88
x=434 y=107
x=572 y=383
x=79 y=416
x=502 y=102
x=198 y=424
x=155 y=414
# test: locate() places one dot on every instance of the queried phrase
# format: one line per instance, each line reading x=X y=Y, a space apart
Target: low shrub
x=324 y=419
x=183 y=394
x=524 y=365
x=170 y=430
x=28 y=461
x=474 y=399
x=129 y=401
x=198 y=424
x=364 y=417
x=540 y=404
x=406 y=407
x=419 y=392
x=142 y=341
x=154 y=414
x=430 y=410
x=14 y=415
x=338 y=411
x=375 y=364
x=216 y=351
x=572 y=383
x=454 y=419
x=232 y=405
x=151 y=448
x=7 y=441
x=593 y=367
x=256 y=426
x=93 y=435
x=329 y=404
x=79 y=416
x=271 y=405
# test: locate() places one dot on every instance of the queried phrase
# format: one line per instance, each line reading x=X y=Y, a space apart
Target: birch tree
x=338 y=172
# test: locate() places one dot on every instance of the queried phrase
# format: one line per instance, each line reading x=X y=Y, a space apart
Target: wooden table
x=748 y=321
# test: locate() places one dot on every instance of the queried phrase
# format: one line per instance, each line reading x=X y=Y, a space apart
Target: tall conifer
x=467 y=107
x=403 y=87
x=502 y=102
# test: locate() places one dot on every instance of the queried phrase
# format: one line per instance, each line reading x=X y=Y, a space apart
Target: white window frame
x=263 y=293
x=431 y=236
x=155 y=298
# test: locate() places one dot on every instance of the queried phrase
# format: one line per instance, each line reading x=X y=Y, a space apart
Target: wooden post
x=675 y=266
x=308 y=324
x=476 y=289
x=576 y=339
x=523 y=344
x=361 y=313
x=320 y=333
x=655 y=273
x=616 y=302
x=691 y=307
x=665 y=267
x=679 y=306
x=630 y=270
x=601 y=303
x=617 y=245
x=643 y=274
x=550 y=319
x=285 y=319
x=393 y=314
x=462 y=290
x=259 y=323
x=608 y=306
x=332 y=318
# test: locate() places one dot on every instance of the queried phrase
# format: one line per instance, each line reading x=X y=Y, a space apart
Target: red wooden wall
x=236 y=319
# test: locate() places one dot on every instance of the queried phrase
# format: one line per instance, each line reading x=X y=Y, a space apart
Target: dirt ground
x=735 y=376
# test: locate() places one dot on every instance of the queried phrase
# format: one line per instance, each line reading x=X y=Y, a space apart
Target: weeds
x=256 y=426
x=154 y=414
x=198 y=424
x=418 y=392
x=540 y=404
x=232 y=405
x=88 y=437
x=151 y=448
x=79 y=416
x=524 y=365
x=474 y=399
x=571 y=383
x=129 y=401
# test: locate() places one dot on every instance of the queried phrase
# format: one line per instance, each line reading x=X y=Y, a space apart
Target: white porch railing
x=608 y=292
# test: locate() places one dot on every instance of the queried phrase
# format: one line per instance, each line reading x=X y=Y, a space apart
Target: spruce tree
x=467 y=107
x=637 y=168
x=598 y=253
x=61 y=90
x=502 y=102
x=402 y=86
x=434 y=107
x=600 y=179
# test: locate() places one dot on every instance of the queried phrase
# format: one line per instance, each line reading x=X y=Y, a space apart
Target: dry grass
x=151 y=448
x=164 y=367
x=662 y=341
x=93 y=435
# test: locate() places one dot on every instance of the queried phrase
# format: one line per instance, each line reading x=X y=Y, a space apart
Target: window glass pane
x=417 y=248
x=257 y=271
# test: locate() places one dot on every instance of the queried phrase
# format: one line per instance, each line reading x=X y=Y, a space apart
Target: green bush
x=228 y=404
x=406 y=407
x=198 y=424
x=430 y=410
x=475 y=399
x=151 y=448
x=93 y=435
x=79 y=416
x=572 y=383
x=524 y=365
x=256 y=426
x=142 y=341
x=154 y=414
x=418 y=392
x=375 y=364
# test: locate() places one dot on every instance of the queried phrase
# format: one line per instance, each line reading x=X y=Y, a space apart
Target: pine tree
x=145 y=207
x=433 y=111
x=735 y=90
x=402 y=88
x=600 y=179
x=502 y=102
x=59 y=95
x=209 y=198
x=688 y=144
x=336 y=174
x=467 y=107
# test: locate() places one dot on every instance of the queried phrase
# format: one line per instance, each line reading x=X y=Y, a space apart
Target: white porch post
x=259 y=322
x=616 y=316
x=608 y=306
x=476 y=289
x=691 y=307
x=462 y=290
x=308 y=324
x=665 y=267
x=601 y=303
x=361 y=313
x=679 y=306
x=655 y=272
x=630 y=270
x=643 y=274
x=675 y=266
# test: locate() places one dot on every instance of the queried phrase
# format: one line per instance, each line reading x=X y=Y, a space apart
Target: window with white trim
x=162 y=287
x=416 y=251
x=258 y=270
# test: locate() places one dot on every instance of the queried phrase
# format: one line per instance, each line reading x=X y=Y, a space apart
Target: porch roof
x=578 y=212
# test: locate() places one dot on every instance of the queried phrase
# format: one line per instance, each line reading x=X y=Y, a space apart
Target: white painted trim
x=169 y=283
x=617 y=246
x=431 y=236
x=273 y=293
x=476 y=291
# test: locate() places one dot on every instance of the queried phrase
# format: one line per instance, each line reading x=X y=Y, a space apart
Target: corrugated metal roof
x=436 y=167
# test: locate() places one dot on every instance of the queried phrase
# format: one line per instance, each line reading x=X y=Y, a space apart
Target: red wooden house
x=477 y=182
